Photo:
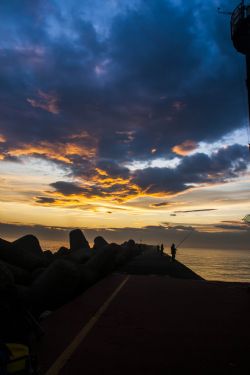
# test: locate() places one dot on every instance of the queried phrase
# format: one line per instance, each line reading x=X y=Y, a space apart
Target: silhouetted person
x=162 y=249
x=173 y=251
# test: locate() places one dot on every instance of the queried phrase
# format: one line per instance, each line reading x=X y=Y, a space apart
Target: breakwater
x=34 y=282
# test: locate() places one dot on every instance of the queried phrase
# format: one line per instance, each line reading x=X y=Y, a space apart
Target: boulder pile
x=44 y=280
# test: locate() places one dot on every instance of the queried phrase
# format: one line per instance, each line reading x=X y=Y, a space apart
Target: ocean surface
x=215 y=264
x=211 y=264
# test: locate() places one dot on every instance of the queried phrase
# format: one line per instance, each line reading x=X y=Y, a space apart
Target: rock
x=11 y=320
x=77 y=240
x=21 y=257
x=48 y=254
x=5 y=248
x=4 y=244
x=6 y=278
x=126 y=253
x=63 y=251
x=37 y=272
x=20 y=275
x=99 y=243
x=104 y=261
x=79 y=256
x=55 y=286
x=131 y=243
x=29 y=243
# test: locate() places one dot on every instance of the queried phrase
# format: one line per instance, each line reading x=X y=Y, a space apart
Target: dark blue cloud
x=45 y=200
x=195 y=169
x=159 y=75
x=67 y=188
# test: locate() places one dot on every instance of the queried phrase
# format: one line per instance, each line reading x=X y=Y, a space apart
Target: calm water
x=211 y=264
x=224 y=265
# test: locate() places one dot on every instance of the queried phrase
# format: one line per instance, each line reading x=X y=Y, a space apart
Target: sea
x=217 y=264
x=211 y=264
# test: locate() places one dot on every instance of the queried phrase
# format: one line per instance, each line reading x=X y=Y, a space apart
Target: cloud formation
x=160 y=204
x=185 y=148
x=45 y=200
x=201 y=210
x=45 y=101
x=119 y=183
x=80 y=90
x=194 y=170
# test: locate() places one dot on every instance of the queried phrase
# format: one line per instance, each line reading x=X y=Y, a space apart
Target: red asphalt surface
x=154 y=325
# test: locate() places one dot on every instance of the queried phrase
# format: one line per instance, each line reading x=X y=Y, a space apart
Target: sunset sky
x=126 y=118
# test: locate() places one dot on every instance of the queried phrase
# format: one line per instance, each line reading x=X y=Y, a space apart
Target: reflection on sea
x=215 y=264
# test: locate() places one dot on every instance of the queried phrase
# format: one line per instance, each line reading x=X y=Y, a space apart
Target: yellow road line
x=67 y=353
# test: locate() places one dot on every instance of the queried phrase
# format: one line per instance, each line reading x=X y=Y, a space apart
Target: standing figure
x=173 y=251
x=162 y=249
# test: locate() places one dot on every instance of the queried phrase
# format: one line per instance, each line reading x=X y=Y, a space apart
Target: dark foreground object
x=153 y=263
x=155 y=325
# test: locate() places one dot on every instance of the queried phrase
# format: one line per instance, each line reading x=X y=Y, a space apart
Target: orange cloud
x=56 y=151
x=46 y=101
x=2 y=138
x=185 y=148
x=99 y=186
x=105 y=180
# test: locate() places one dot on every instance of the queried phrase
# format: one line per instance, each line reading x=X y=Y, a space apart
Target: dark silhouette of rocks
x=130 y=243
x=35 y=280
x=79 y=256
x=128 y=250
x=36 y=273
x=5 y=249
x=55 y=285
x=29 y=243
x=99 y=243
x=47 y=280
x=20 y=275
x=48 y=255
x=4 y=244
x=17 y=254
x=63 y=251
x=13 y=325
x=6 y=277
x=77 y=240
x=104 y=261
